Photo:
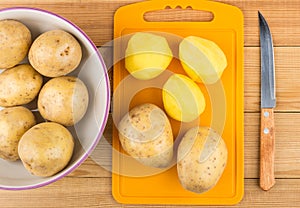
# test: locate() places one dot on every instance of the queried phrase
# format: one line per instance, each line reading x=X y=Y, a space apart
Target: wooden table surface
x=90 y=184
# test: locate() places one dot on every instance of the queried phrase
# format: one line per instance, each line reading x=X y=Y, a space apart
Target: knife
x=268 y=103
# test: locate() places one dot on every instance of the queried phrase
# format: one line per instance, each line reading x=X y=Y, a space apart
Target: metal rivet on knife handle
x=267 y=149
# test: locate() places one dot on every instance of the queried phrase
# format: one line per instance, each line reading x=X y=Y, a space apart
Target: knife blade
x=268 y=103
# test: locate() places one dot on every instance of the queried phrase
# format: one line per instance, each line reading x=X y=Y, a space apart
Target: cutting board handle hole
x=178 y=14
x=179 y=7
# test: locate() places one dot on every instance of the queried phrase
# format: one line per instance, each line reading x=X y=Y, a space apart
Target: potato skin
x=63 y=100
x=15 y=40
x=55 y=53
x=14 y=122
x=202 y=158
x=145 y=133
x=46 y=149
x=19 y=85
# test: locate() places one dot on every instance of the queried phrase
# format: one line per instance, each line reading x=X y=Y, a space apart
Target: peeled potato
x=15 y=40
x=63 y=100
x=145 y=133
x=202 y=158
x=14 y=122
x=19 y=85
x=147 y=55
x=182 y=98
x=46 y=149
x=202 y=59
x=55 y=53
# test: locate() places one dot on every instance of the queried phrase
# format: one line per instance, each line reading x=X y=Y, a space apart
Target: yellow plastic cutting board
x=133 y=183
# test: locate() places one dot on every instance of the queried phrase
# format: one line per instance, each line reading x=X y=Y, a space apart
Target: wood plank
x=96 y=17
x=287 y=60
x=281 y=16
x=68 y=192
x=287 y=163
x=96 y=192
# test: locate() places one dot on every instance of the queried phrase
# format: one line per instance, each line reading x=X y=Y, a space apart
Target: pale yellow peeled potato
x=147 y=55
x=145 y=133
x=203 y=60
x=182 y=98
x=201 y=159
x=14 y=122
x=46 y=148
x=15 y=40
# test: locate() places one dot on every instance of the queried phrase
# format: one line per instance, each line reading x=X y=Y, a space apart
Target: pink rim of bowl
x=107 y=107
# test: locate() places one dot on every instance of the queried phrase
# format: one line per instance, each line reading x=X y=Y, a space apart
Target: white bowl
x=92 y=71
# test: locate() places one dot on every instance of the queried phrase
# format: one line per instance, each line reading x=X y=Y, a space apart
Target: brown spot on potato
x=28 y=164
x=71 y=80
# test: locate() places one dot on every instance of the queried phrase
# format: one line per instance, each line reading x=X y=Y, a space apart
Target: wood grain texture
x=90 y=184
x=287 y=62
x=95 y=17
x=96 y=192
x=267 y=149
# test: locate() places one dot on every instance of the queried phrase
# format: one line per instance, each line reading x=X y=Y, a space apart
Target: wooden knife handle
x=267 y=149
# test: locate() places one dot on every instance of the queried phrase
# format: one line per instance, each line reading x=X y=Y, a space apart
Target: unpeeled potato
x=55 y=53
x=15 y=40
x=145 y=133
x=46 y=148
x=14 y=122
x=203 y=60
x=19 y=85
x=202 y=158
x=63 y=100
x=147 y=55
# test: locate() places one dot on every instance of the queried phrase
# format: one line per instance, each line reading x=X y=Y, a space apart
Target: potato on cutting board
x=203 y=60
x=145 y=133
x=147 y=55
x=182 y=98
x=202 y=158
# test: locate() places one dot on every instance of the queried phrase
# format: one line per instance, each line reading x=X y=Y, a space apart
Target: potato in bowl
x=19 y=85
x=46 y=148
x=14 y=42
x=55 y=53
x=14 y=122
x=91 y=70
x=63 y=100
